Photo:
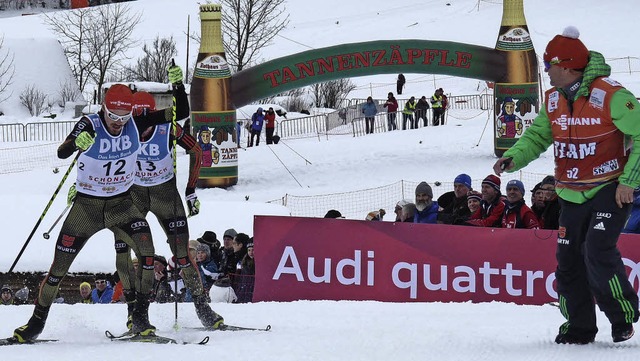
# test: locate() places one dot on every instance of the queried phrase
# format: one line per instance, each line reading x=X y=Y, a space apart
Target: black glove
x=193 y=204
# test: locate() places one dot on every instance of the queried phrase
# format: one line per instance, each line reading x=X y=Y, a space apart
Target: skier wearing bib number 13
x=109 y=145
x=588 y=117
x=155 y=191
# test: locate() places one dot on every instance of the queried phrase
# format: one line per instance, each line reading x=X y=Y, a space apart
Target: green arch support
x=366 y=58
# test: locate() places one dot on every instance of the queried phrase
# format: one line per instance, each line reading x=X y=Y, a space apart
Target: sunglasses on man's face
x=117 y=118
x=100 y=282
x=547 y=64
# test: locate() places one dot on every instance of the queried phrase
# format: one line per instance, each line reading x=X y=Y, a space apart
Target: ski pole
x=55 y=193
x=176 y=326
x=46 y=234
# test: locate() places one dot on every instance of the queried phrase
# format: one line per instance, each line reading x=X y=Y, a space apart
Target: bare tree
x=7 y=71
x=330 y=94
x=68 y=93
x=111 y=30
x=152 y=66
x=249 y=25
x=94 y=39
x=294 y=100
x=316 y=90
x=33 y=99
x=71 y=28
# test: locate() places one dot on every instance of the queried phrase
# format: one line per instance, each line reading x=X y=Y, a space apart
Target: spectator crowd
x=488 y=207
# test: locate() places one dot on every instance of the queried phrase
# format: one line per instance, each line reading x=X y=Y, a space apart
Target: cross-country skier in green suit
x=109 y=143
x=155 y=191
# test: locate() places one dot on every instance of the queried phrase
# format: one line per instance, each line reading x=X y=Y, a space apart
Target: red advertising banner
x=338 y=259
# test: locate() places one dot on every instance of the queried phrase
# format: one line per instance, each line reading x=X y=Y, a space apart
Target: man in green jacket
x=589 y=119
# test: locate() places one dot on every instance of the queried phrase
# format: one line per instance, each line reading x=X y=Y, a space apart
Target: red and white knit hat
x=141 y=101
x=567 y=50
x=492 y=181
x=119 y=97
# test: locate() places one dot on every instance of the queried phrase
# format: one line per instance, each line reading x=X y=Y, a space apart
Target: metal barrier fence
x=339 y=122
x=349 y=120
x=11 y=132
x=41 y=131
x=48 y=131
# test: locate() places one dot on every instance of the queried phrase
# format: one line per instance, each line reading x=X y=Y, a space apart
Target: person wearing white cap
x=588 y=118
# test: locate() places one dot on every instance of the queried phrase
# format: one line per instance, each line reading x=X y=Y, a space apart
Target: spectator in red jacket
x=392 y=107
x=473 y=201
x=270 y=121
x=516 y=213
x=491 y=206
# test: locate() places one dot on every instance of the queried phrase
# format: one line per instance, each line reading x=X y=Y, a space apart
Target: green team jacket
x=625 y=112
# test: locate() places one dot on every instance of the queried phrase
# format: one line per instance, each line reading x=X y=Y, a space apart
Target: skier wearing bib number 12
x=109 y=145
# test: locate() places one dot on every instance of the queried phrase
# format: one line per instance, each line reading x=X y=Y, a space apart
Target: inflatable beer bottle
x=213 y=117
x=516 y=95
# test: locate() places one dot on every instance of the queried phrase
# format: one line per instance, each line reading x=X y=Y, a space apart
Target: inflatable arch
x=367 y=58
x=511 y=65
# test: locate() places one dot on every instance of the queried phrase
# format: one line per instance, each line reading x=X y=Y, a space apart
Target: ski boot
x=209 y=318
x=140 y=317
x=34 y=326
x=622 y=332
x=130 y=297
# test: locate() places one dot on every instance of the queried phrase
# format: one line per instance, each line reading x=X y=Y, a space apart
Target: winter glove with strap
x=71 y=196
x=175 y=75
x=193 y=204
x=84 y=140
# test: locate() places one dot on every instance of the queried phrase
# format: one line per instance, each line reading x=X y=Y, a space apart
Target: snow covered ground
x=324 y=330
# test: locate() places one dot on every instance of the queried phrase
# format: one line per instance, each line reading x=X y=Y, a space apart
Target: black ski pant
x=255 y=133
x=421 y=114
x=438 y=116
x=391 y=121
x=408 y=117
x=590 y=265
x=87 y=216
x=163 y=200
x=369 y=123
x=270 y=135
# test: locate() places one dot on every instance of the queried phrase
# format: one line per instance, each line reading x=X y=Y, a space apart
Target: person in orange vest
x=588 y=117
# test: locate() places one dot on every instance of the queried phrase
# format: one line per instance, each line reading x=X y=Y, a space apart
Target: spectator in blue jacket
x=257 y=119
x=426 y=207
x=369 y=109
x=103 y=291
x=208 y=268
